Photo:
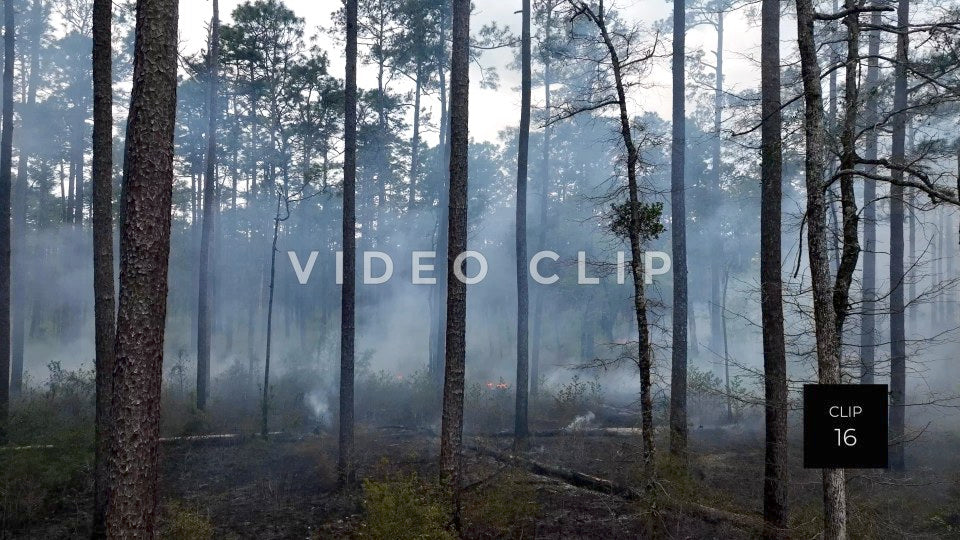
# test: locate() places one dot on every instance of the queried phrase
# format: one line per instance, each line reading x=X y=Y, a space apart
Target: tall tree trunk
x=544 y=199
x=144 y=256
x=439 y=315
x=678 y=373
x=898 y=353
x=265 y=400
x=828 y=341
x=451 y=432
x=345 y=462
x=776 y=471
x=415 y=141
x=645 y=352
x=78 y=170
x=523 y=298
x=726 y=349
x=548 y=7
x=850 y=253
x=868 y=325
x=19 y=209
x=103 y=287
x=204 y=304
x=6 y=162
x=717 y=251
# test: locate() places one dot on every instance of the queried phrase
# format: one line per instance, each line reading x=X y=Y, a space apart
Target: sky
x=494 y=110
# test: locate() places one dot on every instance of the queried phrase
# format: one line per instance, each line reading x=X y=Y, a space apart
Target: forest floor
x=285 y=488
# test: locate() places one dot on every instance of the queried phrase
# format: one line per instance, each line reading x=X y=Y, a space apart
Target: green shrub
x=403 y=506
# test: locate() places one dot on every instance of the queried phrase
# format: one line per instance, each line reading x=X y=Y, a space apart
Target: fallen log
x=570 y=476
x=602 y=485
x=585 y=432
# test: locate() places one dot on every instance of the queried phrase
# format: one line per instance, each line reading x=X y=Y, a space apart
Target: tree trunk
x=451 y=433
x=6 y=162
x=544 y=201
x=265 y=402
x=828 y=341
x=345 y=464
x=726 y=349
x=439 y=316
x=848 y=162
x=19 y=209
x=523 y=299
x=898 y=353
x=204 y=304
x=868 y=325
x=78 y=170
x=678 y=373
x=103 y=287
x=776 y=471
x=144 y=255
x=716 y=252
x=645 y=352
x=415 y=141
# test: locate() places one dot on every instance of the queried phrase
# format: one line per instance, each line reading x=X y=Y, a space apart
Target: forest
x=238 y=239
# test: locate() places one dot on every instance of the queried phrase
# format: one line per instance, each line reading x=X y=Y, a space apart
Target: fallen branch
x=587 y=432
x=601 y=485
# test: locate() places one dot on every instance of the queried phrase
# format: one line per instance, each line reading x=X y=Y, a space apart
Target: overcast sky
x=493 y=110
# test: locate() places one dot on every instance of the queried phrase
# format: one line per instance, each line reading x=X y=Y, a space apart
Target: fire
x=497 y=386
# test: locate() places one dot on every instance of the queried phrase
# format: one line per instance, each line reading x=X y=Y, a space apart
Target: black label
x=845 y=426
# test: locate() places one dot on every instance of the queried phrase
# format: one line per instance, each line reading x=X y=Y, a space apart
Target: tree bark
x=776 y=473
x=850 y=252
x=825 y=319
x=345 y=462
x=415 y=141
x=6 y=163
x=103 y=285
x=19 y=208
x=205 y=286
x=868 y=325
x=716 y=252
x=898 y=354
x=144 y=256
x=523 y=299
x=451 y=433
x=678 y=373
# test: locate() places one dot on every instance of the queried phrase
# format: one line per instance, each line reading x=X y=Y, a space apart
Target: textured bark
x=6 y=162
x=345 y=461
x=825 y=320
x=898 y=369
x=776 y=476
x=451 y=432
x=868 y=325
x=850 y=252
x=523 y=298
x=19 y=208
x=205 y=286
x=144 y=256
x=103 y=286
x=678 y=212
